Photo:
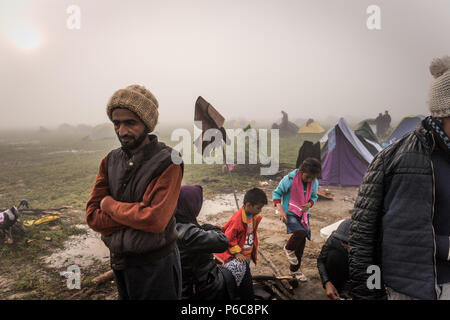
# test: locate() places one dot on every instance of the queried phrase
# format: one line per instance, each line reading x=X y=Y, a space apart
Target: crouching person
x=203 y=278
x=333 y=263
x=7 y=220
x=133 y=201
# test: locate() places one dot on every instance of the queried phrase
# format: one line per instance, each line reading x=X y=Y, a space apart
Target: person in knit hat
x=140 y=102
x=400 y=221
x=133 y=201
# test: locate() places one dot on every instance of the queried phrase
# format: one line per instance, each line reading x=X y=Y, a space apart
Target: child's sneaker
x=299 y=276
x=292 y=258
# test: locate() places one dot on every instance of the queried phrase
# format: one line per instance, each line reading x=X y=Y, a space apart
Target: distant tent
x=84 y=128
x=365 y=130
x=299 y=121
x=287 y=128
x=66 y=128
x=311 y=126
x=407 y=124
x=368 y=138
x=345 y=158
x=43 y=129
x=307 y=150
x=102 y=132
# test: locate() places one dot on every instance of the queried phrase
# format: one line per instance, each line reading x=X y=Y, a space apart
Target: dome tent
x=368 y=138
x=311 y=126
x=344 y=157
x=407 y=124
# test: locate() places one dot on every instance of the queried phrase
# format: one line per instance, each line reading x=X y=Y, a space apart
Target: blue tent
x=407 y=124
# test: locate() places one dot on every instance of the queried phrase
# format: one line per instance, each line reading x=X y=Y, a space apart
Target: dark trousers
x=297 y=243
x=245 y=290
x=159 y=280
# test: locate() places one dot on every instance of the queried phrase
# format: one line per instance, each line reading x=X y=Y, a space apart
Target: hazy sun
x=25 y=36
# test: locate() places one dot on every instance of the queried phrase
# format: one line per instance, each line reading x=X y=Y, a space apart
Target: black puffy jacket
x=392 y=223
x=202 y=278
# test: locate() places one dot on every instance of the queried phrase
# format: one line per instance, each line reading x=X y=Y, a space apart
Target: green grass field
x=51 y=170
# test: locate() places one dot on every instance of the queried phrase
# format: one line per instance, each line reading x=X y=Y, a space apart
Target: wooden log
x=86 y=292
x=263 y=277
x=277 y=291
x=325 y=195
x=282 y=287
x=271 y=265
x=276 y=271
x=109 y=275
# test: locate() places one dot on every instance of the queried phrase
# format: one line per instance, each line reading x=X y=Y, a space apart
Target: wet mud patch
x=81 y=250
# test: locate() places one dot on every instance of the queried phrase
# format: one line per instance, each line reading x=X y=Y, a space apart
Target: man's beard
x=133 y=143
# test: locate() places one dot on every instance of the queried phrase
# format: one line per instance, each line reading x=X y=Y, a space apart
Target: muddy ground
x=42 y=280
x=272 y=234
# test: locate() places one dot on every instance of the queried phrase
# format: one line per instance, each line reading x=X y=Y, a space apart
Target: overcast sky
x=250 y=59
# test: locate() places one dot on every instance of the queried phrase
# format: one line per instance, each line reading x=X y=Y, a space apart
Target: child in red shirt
x=243 y=241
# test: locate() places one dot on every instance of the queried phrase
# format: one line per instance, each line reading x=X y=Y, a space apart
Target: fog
x=250 y=59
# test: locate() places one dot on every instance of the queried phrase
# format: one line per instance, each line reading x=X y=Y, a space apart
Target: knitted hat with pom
x=137 y=99
x=439 y=96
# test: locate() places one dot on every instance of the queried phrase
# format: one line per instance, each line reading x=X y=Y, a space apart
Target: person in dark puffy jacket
x=400 y=222
x=202 y=277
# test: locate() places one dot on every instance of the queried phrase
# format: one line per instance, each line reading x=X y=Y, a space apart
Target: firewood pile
x=275 y=286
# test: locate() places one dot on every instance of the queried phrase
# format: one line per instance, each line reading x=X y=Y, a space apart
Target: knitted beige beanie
x=439 y=97
x=137 y=99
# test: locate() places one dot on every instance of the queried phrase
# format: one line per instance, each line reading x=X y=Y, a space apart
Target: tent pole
x=231 y=177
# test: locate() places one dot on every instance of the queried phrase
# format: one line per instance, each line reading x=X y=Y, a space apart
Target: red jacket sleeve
x=234 y=232
x=97 y=219
x=157 y=206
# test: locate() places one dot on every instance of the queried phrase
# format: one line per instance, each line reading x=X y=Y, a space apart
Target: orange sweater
x=151 y=215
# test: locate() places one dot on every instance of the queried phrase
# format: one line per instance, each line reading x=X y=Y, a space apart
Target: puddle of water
x=220 y=203
x=83 y=250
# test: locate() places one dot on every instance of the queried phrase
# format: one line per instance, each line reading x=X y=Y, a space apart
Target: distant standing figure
x=387 y=122
x=285 y=120
x=379 y=124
